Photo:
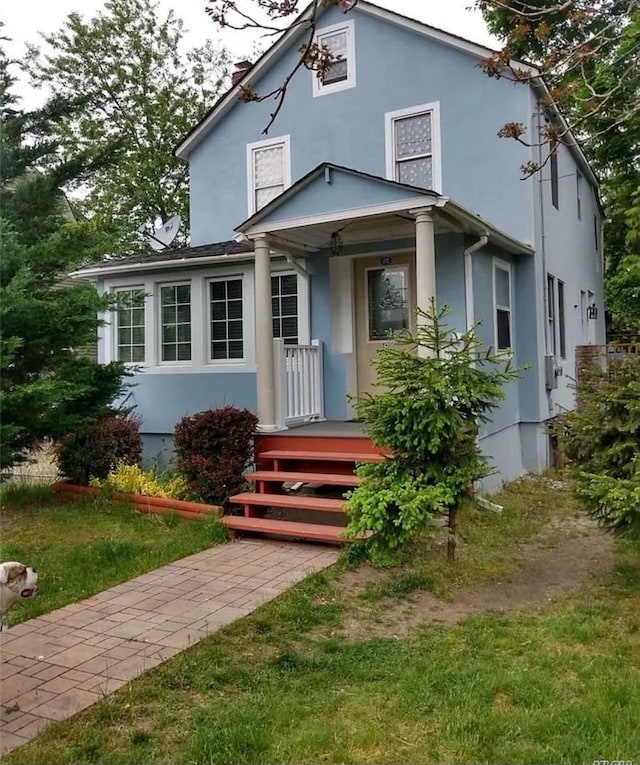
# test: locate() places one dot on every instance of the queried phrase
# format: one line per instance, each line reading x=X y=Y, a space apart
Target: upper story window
x=413 y=146
x=268 y=171
x=130 y=325
x=175 y=322
x=579 y=194
x=284 y=303
x=339 y=39
x=226 y=319
x=553 y=163
x=502 y=300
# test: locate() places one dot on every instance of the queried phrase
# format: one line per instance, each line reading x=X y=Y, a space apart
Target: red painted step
x=300 y=455
x=295 y=502
x=305 y=531
x=327 y=479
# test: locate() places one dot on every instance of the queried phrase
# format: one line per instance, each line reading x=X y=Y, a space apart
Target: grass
x=286 y=685
x=80 y=548
x=489 y=543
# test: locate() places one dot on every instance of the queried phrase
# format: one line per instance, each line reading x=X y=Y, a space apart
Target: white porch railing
x=299 y=388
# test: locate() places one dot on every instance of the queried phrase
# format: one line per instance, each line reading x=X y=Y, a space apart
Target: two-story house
x=380 y=186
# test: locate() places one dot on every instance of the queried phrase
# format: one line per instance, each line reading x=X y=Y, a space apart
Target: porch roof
x=308 y=215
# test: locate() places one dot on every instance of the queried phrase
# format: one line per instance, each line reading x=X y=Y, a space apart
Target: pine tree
x=46 y=386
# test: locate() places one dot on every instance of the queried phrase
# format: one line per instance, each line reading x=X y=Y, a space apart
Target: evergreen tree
x=46 y=386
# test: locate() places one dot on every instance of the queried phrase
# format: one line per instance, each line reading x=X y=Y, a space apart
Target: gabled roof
x=406 y=191
x=407 y=197
x=228 y=99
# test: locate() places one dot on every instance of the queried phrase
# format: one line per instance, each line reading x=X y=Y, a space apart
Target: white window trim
x=319 y=88
x=245 y=327
x=115 y=355
x=285 y=141
x=556 y=317
x=436 y=147
x=551 y=315
x=158 y=317
x=579 y=188
x=199 y=319
x=504 y=266
x=561 y=314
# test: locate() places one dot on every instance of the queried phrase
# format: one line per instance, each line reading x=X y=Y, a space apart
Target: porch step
x=326 y=479
x=312 y=532
x=320 y=504
x=312 y=456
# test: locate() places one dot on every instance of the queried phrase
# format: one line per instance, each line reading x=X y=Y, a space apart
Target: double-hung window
x=226 y=319
x=579 y=194
x=130 y=325
x=553 y=164
x=284 y=304
x=551 y=315
x=413 y=146
x=502 y=299
x=268 y=171
x=175 y=322
x=339 y=40
x=562 y=333
x=556 y=319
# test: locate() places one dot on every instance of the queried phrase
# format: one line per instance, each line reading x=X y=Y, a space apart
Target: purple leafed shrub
x=93 y=450
x=213 y=448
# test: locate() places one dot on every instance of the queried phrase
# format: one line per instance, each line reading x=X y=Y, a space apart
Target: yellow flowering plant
x=132 y=479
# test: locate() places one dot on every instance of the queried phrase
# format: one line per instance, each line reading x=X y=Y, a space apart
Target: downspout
x=468 y=278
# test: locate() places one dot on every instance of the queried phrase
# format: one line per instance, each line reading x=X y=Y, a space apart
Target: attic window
x=340 y=40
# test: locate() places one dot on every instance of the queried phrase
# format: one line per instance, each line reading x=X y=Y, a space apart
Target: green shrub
x=213 y=449
x=601 y=437
x=613 y=502
x=436 y=386
x=93 y=450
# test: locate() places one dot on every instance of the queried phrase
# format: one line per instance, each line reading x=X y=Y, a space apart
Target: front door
x=385 y=303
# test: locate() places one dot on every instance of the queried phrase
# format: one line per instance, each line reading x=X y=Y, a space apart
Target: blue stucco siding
x=508 y=413
x=450 y=287
x=567 y=245
x=479 y=170
x=163 y=399
x=334 y=364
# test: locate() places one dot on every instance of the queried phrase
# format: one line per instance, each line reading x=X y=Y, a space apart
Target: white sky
x=25 y=18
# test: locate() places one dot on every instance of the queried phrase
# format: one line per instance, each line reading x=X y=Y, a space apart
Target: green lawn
x=80 y=548
x=289 y=684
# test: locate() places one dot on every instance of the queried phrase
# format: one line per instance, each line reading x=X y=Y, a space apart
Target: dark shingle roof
x=183 y=253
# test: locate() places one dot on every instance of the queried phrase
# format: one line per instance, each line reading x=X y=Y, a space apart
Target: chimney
x=242 y=67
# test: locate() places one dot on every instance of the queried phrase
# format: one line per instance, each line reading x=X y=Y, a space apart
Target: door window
x=387 y=302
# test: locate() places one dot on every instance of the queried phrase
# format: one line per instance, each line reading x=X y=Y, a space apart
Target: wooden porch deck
x=327 y=429
x=301 y=476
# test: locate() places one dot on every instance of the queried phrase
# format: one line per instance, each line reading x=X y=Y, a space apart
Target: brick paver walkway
x=64 y=661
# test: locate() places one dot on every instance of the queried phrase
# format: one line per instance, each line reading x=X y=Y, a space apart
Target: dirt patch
x=581 y=551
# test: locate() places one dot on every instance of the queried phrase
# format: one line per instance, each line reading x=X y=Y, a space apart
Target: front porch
x=301 y=476
x=380 y=261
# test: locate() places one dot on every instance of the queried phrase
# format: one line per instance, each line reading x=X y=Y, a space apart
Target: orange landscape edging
x=155 y=505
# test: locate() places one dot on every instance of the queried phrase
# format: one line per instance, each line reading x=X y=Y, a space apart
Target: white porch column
x=425 y=262
x=265 y=368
